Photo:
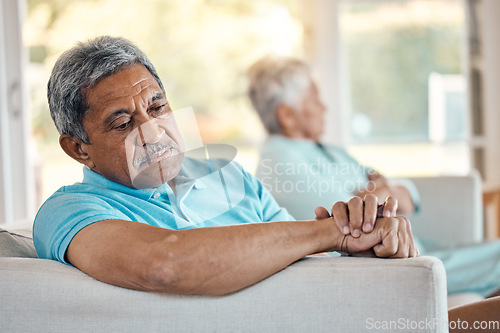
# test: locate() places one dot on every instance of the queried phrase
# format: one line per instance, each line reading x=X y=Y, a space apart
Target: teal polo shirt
x=208 y=193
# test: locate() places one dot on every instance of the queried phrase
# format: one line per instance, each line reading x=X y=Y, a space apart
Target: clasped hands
x=366 y=225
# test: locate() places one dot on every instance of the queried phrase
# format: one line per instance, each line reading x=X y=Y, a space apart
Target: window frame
x=16 y=172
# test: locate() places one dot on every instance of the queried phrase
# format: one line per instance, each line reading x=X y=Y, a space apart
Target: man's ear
x=76 y=149
x=287 y=118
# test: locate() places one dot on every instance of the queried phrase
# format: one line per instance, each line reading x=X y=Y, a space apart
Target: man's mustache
x=150 y=151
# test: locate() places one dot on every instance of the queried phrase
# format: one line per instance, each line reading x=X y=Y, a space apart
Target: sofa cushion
x=16 y=244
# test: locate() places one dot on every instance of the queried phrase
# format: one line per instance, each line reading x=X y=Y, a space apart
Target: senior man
x=143 y=217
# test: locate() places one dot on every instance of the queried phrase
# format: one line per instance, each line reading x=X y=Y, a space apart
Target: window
x=403 y=88
x=201 y=49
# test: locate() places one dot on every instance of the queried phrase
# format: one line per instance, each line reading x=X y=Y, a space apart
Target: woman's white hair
x=277 y=80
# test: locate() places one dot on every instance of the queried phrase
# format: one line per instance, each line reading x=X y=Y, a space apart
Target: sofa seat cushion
x=17 y=244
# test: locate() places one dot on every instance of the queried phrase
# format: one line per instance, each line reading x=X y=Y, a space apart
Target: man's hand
x=390 y=238
x=358 y=215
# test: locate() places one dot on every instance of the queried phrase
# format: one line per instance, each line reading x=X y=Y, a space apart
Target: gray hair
x=274 y=81
x=79 y=69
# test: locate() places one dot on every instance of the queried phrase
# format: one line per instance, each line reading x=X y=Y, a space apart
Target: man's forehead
x=119 y=92
x=142 y=86
x=128 y=81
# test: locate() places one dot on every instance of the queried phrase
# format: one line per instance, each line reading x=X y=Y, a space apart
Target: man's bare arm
x=215 y=260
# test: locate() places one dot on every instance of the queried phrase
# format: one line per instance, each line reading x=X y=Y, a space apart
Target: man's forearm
x=230 y=258
x=216 y=260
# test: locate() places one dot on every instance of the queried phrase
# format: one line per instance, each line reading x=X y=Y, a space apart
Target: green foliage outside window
x=389 y=49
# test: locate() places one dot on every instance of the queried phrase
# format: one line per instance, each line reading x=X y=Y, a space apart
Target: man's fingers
x=391 y=238
x=389 y=245
x=341 y=216
x=417 y=252
x=413 y=249
x=321 y=213
x=380 y=211
x=397 y=240
x=355 y=207
x=370 y=212
x=390 y=207
x=404 y=239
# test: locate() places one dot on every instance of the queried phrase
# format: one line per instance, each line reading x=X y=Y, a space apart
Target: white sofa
x=316 y=294
x=451 y=212
x=451 y=215
x=313 y=295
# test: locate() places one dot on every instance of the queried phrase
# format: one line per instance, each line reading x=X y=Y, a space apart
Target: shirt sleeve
x=62 y=216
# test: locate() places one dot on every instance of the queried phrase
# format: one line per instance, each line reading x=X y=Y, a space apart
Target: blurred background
x=409 y=84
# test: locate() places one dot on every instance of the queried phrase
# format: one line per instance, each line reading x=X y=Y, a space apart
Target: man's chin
x=156 y=174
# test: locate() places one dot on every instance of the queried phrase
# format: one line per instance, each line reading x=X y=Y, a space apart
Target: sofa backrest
x=451 y=210
x=16 y=244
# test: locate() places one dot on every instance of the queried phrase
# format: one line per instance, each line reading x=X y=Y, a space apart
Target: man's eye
x=122 y=126
x=159 y=109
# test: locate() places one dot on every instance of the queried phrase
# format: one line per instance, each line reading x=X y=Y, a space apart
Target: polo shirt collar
x=93 y=178
x=188 y=178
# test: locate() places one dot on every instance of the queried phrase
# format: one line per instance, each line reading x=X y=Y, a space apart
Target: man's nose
x=149 y=132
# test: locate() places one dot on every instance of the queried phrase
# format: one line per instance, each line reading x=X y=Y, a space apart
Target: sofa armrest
x=451 y=210
x=316 y=294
